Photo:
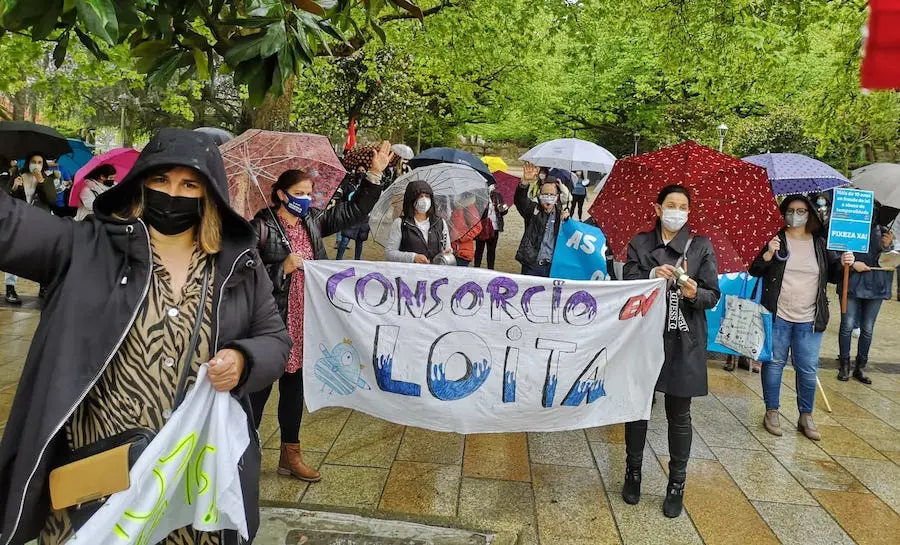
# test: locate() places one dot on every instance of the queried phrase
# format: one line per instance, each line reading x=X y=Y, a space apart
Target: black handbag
x=138 y=438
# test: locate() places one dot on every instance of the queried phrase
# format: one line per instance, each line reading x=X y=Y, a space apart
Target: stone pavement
x=744 y=486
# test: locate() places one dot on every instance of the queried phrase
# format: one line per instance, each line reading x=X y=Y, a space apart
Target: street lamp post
x=122 y=98
x=723 y=129
x=637 y=138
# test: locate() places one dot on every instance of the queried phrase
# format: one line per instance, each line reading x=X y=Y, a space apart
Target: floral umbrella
x=255 y=160
x=731 y=201
x=791 y=173
x=122 y=159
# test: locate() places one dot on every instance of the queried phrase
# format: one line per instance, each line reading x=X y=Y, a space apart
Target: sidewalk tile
x=562 y=448
x=824 y=474
x=6 y=400
x=366 y=441
x=321 y=428
x=877 y=404
x=839 y=441
x=875 y=432
x=267 y=432
x=645 y=524
x=497 y=456
x=571 y=506
x=761 y=476
x=280 y=488
x=422 y=489
x=866 y=518
x=718 y=427
x=420 y=445
x=730 y=386
x=611 y=462
x=895 y=456
x=347 y=486
x=885 y=383
x=802 y=524
x=499 y=506
x=719 y=509
x=607 y=434
x=658 y=436
x=881 y=476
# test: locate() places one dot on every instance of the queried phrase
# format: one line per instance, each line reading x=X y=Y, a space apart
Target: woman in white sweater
x=419 y=234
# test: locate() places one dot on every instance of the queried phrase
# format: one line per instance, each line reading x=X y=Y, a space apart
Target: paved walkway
x=744 y=486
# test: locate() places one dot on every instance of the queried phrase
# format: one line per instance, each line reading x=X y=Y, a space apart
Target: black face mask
x=170 y=215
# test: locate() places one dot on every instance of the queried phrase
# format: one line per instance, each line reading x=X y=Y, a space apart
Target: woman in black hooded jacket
x=419 y=234
x=135 y=272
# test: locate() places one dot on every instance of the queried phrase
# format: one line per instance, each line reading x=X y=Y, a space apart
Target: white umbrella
x=883 y=179
x=457 y=188
x=404 y=151
x=570 y=154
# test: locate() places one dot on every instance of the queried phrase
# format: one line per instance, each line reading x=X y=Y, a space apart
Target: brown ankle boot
x=291 y=463
x=807 y=427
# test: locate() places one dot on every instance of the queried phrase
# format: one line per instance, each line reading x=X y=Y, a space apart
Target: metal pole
x=419 y=139
x=721 y=142
x=122 y=122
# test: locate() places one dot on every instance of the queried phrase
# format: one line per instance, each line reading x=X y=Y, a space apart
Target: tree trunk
x=19 y=105
x=275 y=112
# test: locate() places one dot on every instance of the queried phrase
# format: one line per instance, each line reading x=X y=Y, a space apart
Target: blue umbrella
x=791 y=173
x=70 y=163
x=434 y=156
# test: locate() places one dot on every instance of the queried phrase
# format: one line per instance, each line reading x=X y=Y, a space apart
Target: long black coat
x=684 y=371
x=535 y=224
x=89 y=310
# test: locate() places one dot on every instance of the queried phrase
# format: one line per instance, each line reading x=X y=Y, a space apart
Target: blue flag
x=580 y=252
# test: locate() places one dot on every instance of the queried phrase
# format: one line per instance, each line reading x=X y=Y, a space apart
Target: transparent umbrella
x=460 y=198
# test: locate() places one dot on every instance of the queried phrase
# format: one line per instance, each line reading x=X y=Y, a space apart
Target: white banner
x=475 y=351
x=188 y=475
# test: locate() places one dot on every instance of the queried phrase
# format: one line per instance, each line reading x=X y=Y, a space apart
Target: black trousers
x=678 y=414
x=491 y=245
x=577 y=200
x=290 y=405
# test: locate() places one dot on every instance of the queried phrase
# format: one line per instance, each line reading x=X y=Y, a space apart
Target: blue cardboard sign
x=851 y=220
x=580 y=252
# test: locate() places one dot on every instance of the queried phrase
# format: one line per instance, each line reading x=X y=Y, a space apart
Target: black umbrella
x=19 y=138
x=451 y=155
x=219 y=136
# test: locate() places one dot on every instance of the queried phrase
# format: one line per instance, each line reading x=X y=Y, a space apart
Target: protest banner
x=188 y=475
x=580 y=252
x=475 y=351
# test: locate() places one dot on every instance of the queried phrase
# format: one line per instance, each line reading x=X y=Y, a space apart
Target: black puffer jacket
x=535 y=224
x=98 y=273
x=274 y=248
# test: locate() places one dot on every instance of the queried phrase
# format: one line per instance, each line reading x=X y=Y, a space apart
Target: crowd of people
x=149 y=259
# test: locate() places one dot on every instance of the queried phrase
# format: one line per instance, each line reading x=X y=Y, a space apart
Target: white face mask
x=673 y=220
x=549 y=200
x=542 y=176
x=423 y=205
x=34 y=167
x=793 y=220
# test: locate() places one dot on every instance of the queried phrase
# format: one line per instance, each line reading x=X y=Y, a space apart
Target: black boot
x=859 y=373
x=631 y=490
x=844 y=372
x=11 y=296
x=674 y=500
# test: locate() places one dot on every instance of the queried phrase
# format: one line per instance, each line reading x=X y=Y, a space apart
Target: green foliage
x=263 y=42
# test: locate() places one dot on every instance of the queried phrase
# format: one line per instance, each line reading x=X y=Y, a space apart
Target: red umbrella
x=506 y=185
x=731 y=201
x=255 y=159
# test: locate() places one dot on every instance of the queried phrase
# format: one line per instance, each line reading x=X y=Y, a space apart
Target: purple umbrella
x=791 y=173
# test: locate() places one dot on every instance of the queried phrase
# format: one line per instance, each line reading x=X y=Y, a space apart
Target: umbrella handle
x=785 y=257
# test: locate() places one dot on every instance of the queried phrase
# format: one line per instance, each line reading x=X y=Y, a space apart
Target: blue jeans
x=344 y=243
x=860 y=313
x=537 y=270
x=460 y=262
x=803 y=343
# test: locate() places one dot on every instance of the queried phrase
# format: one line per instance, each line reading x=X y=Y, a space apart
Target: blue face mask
x=298 y=206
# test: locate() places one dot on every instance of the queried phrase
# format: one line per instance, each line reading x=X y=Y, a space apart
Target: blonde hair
x=209 y=232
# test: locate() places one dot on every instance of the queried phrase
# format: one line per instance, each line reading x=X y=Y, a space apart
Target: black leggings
x=577 y=200
x=678 y=413
x=290 y=405
x=491 y=244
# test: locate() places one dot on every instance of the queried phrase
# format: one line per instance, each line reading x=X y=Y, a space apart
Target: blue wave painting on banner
x=580 y=252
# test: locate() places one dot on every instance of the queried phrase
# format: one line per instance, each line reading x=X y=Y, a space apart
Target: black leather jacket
x=274 y=248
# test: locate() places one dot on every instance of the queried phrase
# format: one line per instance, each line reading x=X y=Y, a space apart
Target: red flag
x=351 y=134
x=881 y=64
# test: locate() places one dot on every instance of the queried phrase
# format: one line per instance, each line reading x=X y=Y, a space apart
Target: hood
x=814 y=218
x=413 y=190
x=171 y=148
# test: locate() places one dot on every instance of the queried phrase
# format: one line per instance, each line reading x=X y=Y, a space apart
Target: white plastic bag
x=188 y=475
x=742 y=328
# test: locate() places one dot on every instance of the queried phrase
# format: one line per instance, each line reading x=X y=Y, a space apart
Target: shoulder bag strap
x=684 y=254
x=195 y=337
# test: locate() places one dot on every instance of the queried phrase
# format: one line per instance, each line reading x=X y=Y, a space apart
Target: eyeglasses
x=797 y=212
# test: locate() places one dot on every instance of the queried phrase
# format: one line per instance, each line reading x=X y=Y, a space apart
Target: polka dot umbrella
x=792 y=173
x=731 y=201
